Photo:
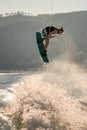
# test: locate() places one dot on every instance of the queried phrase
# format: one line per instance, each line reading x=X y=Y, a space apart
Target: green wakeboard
x=41 y=47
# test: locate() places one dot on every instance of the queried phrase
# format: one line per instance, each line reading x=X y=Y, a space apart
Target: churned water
x=53 y=98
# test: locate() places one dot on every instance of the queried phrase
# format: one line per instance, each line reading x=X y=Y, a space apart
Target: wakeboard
x=40 y=45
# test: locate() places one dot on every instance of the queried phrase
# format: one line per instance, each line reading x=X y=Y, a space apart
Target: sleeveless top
x=49 y=29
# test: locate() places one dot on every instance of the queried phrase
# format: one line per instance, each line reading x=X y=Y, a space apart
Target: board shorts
x=44 y=34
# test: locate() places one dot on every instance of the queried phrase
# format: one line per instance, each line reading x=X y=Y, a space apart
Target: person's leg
x=46 y=40
x=44 y=53
x=40 y=40
x=46 y=44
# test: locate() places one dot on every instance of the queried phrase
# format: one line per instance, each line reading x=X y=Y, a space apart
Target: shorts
x=44 y=34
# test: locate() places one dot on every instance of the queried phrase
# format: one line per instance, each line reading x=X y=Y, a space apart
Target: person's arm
x=52 y=36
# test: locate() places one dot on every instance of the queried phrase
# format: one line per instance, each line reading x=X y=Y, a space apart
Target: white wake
x=51 y=99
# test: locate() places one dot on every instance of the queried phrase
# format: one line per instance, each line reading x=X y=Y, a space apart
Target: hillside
x=18 y=49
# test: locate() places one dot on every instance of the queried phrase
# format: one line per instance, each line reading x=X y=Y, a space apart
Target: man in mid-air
x=47 y=33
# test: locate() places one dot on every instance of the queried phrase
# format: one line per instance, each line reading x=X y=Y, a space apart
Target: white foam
x=52 y=98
